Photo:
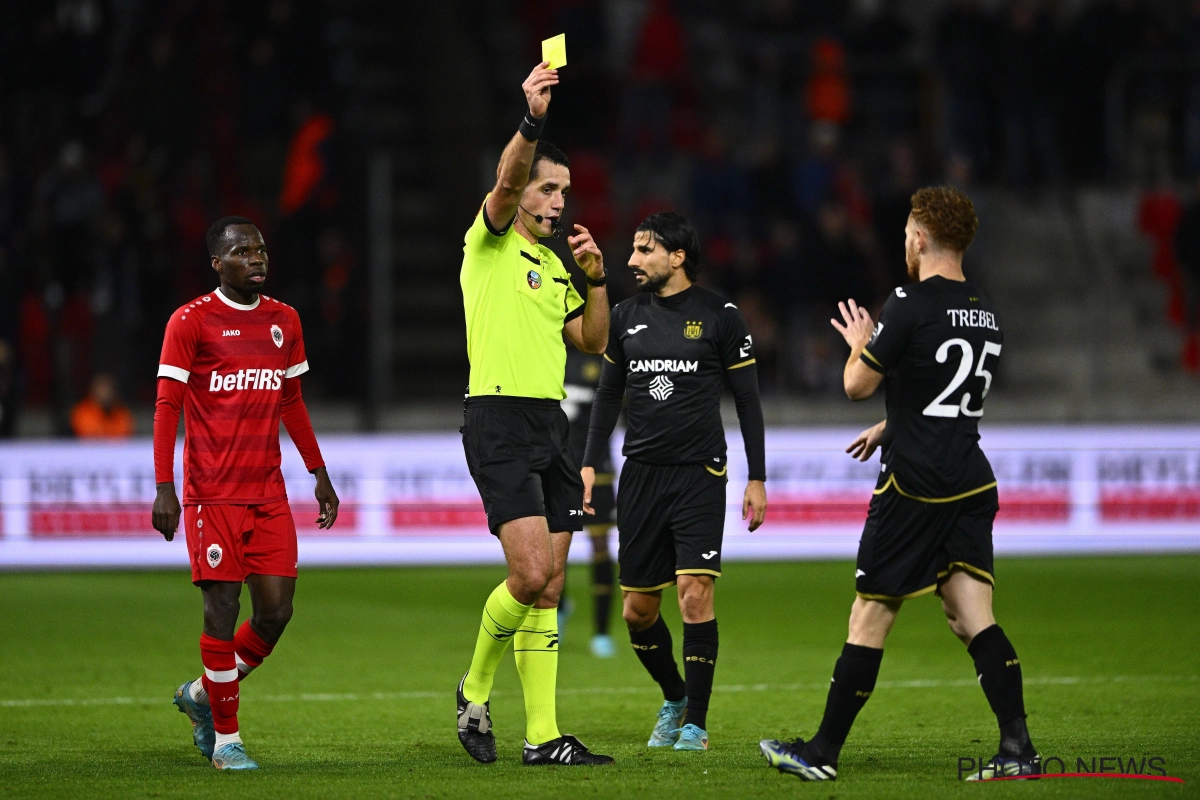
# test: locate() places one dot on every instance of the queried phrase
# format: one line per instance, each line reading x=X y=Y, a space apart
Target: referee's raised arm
x=517 y=159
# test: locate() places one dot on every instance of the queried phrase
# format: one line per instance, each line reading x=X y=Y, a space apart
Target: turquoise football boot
x=666 y=729
x=200 y=717
x=602 y=646
x=692 y=738
x=233 y=756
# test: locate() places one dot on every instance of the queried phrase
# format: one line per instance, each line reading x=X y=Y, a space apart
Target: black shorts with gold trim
x=670 y=521
x=909 y=544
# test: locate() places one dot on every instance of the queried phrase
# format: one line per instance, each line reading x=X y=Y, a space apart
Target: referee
x=519 y=302
x=671 y=351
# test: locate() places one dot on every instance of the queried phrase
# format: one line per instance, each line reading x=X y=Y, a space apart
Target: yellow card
x=554 y=50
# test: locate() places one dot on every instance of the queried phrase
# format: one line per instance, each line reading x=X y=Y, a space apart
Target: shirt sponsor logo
x=269 y=379
x=692 y=329
x=661 y=387
x=663 y=365
x=534 y=279
x=277 y=335
x=231 y=333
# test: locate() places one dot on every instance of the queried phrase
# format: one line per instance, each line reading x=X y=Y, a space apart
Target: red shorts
x=230 y=542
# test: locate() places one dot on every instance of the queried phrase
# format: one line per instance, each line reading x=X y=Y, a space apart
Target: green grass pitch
x=357 y=701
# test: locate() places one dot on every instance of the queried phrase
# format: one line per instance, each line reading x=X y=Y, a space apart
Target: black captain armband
x=531 y=127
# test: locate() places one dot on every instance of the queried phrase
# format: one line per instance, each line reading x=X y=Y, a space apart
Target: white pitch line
x=606 y=690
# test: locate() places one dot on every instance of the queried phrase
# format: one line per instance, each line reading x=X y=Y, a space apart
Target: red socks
x=249 y=649
x=221 y=682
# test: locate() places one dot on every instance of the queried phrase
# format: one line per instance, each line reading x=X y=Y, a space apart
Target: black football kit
x=670 y=358
x=937 y=344
x=583 y=373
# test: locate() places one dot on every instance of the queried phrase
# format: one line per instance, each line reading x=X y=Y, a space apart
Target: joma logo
x=231 y=333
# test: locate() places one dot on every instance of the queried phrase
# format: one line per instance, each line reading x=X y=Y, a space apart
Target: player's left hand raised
x=858 y=326
x=587 y=254
x=754 y=503
x=327 y=500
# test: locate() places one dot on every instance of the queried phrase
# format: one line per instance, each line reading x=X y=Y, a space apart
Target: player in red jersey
x=232 y=360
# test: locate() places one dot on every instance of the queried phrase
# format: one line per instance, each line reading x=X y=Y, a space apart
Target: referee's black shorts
x=518 y=454
x=670 y=521
x=908 y=546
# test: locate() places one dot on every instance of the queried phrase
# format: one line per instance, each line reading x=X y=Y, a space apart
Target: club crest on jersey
x=277 y=335
x=214 y=555
x=691 y=330
x=534 y=279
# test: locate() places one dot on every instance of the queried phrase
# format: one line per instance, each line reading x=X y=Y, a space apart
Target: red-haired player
x=232 y=359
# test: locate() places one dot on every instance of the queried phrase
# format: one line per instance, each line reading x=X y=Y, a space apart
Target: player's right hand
x=867 y=442
x=165 y=514
x=537 y=88
x=589 y=480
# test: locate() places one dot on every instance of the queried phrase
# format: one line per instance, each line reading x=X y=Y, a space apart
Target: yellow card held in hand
x=554 y=51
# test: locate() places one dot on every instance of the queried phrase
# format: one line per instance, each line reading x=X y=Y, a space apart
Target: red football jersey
x=234 y=359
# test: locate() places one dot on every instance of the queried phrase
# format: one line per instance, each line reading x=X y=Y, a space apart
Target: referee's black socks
x=699 y=664
x=653 y=648
x=854 y=677
x=999 y=672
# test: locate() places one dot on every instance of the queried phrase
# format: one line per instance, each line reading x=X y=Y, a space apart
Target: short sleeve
x=179 y=346
x=892 y=332
x=574 y=303
x=481 y=236
x=736 y=343
x=297 y=359
x=614 y=353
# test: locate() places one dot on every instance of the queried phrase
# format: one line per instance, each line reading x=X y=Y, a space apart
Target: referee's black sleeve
x=606 y=407
x=744 y=383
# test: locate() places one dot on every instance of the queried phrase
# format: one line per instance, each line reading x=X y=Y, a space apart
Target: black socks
x=653 y=648
x=699 y=663
x=999 y=672
x=602 y=593
x=854 y=677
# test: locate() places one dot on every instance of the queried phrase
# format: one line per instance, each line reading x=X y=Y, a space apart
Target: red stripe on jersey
x=236 y=359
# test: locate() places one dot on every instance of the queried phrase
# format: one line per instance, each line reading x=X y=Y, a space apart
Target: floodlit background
x=361 y=136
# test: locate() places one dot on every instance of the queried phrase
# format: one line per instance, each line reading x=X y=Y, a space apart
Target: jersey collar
x=239 y=306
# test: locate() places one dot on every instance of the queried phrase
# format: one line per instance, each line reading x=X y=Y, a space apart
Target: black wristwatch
x=600 y=282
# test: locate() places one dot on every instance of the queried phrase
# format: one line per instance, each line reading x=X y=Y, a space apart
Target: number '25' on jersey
x=937 y=344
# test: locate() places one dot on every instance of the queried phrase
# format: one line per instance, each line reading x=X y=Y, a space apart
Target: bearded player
x=233 y=359
x=929 y=527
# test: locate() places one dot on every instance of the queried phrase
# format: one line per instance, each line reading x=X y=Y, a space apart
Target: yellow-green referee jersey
x=517 y=296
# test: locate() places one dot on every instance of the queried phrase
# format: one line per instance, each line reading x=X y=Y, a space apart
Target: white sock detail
x=242 y=666
x=221 y=676
x=197 y=692
x=227 y=738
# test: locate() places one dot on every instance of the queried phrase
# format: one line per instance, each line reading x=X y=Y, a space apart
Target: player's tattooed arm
x=867 y=442
x=517 y=159
x=327 y=499
x=856 y=328
x=165 y=513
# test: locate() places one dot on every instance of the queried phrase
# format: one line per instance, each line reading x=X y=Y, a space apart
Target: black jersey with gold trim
x=673 y=355
x=938 y=344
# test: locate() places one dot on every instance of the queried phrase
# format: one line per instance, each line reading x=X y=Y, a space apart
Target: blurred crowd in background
x=126 y=128
x=792 y=131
